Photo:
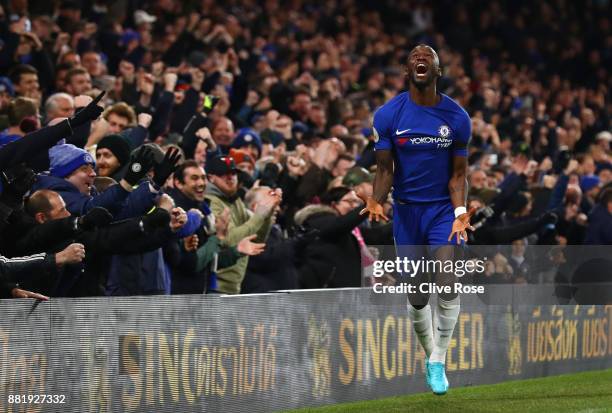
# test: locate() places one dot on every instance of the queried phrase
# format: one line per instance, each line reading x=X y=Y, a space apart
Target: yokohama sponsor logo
x=420 y=140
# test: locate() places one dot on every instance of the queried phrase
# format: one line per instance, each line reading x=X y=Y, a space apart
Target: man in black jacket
x=188 y=193
x=42 y=267
x=101 y=239
x=275 y=268
x=336 y=259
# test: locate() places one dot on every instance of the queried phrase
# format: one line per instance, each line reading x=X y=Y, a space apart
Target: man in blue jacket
x=72 y=174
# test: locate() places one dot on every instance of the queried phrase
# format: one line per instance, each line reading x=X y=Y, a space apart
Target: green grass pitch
x=589 y=392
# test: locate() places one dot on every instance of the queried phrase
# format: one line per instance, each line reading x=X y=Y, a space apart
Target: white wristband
x=460 y=211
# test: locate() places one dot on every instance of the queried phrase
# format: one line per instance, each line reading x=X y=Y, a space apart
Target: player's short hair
x=424 y=45
x=432 y=49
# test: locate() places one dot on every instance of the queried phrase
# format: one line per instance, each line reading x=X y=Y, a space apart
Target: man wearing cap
x=72 y=173
x=221 y=192
x=602 y=139
x=143 y=20
x=112 y=155
x=590 y=188
x=246 y=170
x=249 y=141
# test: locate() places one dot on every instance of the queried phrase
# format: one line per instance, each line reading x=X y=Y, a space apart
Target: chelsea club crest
x=444 y=131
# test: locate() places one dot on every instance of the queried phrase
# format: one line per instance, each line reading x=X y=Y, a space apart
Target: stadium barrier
x=271 y=352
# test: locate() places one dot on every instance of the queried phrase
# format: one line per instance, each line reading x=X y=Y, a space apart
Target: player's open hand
x=374 y=210
x=460 y=225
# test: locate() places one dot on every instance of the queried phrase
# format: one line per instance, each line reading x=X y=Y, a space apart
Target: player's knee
x=418 y=301
x=418 y=306
x=448 y=301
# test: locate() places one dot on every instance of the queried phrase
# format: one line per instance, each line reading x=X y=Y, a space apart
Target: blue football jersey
x=423 y=140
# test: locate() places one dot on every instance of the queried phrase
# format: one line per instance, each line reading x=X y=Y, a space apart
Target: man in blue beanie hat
x=66 y=158
x=248 y=140
x=588 y=182
x=590 y=188
x=72 y=174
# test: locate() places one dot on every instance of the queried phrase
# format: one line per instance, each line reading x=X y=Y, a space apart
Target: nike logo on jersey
x=400 y=132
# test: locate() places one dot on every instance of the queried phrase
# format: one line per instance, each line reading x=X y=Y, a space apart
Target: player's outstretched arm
x=382 y=186
x=457 y=187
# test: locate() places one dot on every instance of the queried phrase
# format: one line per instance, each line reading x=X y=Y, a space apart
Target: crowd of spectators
x=159 y=147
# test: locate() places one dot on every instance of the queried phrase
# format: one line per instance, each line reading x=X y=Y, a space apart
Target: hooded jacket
x=242 y=224
x=334 y=261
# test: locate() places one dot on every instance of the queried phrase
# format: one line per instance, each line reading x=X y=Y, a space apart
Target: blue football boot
x=437 y=377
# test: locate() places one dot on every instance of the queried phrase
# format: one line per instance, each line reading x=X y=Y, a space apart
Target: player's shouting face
x=423 y=66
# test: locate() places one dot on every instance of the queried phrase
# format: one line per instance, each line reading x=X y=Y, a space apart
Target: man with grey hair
x=273 y=269
x=257 y=195
x=59 y=105
x=63 y=105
